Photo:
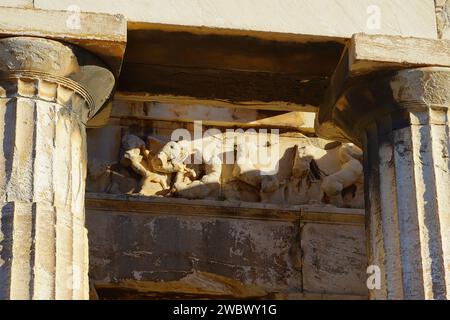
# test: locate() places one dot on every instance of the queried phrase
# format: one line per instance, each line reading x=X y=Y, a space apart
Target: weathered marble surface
x=334 y=259
x=17 y=3
x=332 y=18
x=298 y=170
x=201 y=249
x=401 y=121
x=45 y=101
x=211 y=115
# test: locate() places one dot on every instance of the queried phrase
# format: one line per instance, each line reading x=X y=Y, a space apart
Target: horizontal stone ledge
x=18 y=3
x=215 y=116
x=313 y=17
x=145 y=289
x=102 y=34
x=193 y=285
x=226 y=209
x=142 y=96
x=369 y=53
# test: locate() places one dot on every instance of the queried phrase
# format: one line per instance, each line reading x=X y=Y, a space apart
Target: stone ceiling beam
x=216 y=116
x=322 y=18
x=229 y=70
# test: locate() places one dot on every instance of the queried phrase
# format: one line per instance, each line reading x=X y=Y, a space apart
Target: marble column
x=401 y=120
x=48 y=91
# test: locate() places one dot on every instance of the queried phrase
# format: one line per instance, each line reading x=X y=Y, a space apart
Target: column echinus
x=45 y=102
x=400 y=117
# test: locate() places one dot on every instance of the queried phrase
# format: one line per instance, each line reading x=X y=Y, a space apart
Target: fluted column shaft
x=43 y=111
x=408 y=188
x=402 y=123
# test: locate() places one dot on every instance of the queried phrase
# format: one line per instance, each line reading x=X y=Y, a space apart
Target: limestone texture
x=326 y=18
x=43 y=111
x=159 y=247
x=237 y=166
x=401 y=122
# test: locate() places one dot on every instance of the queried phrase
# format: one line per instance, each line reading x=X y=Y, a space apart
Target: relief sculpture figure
x=351 y=173
x=311 y=173
x=141 y=161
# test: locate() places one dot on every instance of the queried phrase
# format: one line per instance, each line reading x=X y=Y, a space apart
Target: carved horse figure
x=309 y=172
x=172 y=157
x=350 y=173
x=140 y=160
x=318 y=176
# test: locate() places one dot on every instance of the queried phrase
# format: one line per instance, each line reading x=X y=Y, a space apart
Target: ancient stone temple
x=163 y=149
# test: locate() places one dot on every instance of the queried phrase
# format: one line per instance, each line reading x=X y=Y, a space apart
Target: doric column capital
x=391 y=101
x=52 y=71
